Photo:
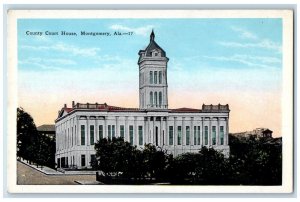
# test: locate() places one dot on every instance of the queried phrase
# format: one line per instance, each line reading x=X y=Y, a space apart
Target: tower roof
x=153 y=45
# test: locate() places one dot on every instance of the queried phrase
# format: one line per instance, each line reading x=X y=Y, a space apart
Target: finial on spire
x=152 y=36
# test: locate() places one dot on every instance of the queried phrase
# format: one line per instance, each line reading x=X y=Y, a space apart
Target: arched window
x=151 y=77
x=159 y=77
x=160 y=98
x=151 y=98
x=155 y=98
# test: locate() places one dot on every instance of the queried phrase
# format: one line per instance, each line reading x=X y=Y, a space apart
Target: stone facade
x=178 y=131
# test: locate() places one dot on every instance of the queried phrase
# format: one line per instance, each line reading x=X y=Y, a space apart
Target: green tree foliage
x=256 y=161
x=31 y=145
x=251 y=162
x=27 y=136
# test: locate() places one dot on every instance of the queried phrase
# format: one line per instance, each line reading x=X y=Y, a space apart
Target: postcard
x=150 y=101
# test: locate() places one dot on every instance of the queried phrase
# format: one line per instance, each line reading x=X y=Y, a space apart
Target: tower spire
x=152 y=36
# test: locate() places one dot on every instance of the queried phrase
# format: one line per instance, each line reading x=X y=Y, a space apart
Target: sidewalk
x=45 y=170
x=50 y=171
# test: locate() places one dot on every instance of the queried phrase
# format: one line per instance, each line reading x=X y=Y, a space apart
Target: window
x=155 y=77
x=159 y=77
x=72 y=136
x=170 y=135
x=82 y=160
x=151 y=98
x=179 y=135
x=222 y=135
x=131 y=134
x=122 y=132
x=75 y=135
x=140 y=135
x=195 y=135
x=160 y=98
x=206 y=135
x=155 y=98
x=100 y=132
x=214 y=135
x=92 y=134
x=198 y=136
x=151 y=77
x=109 y=132
x=82 y=134
x=113 y=134
x=93 y=159
x=187 y=135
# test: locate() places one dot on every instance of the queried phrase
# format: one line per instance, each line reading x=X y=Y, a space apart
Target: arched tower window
x=155 y=98
x=159 y=77
x=155 y=77
x=151 y=77
x=160 y=98
x=151 y=98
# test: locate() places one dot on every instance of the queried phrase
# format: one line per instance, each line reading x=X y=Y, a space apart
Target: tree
x=27 y=136
x=255 y=161
x=155 y=161
x=31 y=145
x=212 y=168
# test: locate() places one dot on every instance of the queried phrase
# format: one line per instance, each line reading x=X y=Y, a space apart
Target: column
x=105 y=127
x=160 y=142
x=218 y=131
x=209 y=133
x=126 y=129
x=87 y=139
x=175 y=135
x=183 y=132
x=96 y=130
x=148 y=130
x=153 y=140
x=201 y=132
x=117 y=133
x=226 y=134
x=192 y=138
x=135 y=131
x=167 y=130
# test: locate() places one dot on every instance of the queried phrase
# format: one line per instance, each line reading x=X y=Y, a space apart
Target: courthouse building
x=177 y=131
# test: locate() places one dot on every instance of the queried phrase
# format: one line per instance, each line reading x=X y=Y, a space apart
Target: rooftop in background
x=46 y=128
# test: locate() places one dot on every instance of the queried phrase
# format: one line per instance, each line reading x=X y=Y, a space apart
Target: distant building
x=47 y=130
x=257 y=133
x=178 y=131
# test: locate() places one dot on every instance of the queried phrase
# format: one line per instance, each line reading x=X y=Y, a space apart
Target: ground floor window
x=170 y=135
x=92 y=134
x=214 y=135
x=100 y=132
x=221 y=135
x=187 y=135
x=206 y=135
x=93 y=159
x=122 y=132
x=131 y=134
x=109 y=131
x=198 y=136
x=113 y=131
x=82 y=160
x=140 y=135
x=82 y=134
x=179 y=135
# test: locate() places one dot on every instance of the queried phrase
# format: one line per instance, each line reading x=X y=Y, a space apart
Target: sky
x=227 y=61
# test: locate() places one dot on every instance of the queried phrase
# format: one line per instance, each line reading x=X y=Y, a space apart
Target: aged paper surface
x=286 y=94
